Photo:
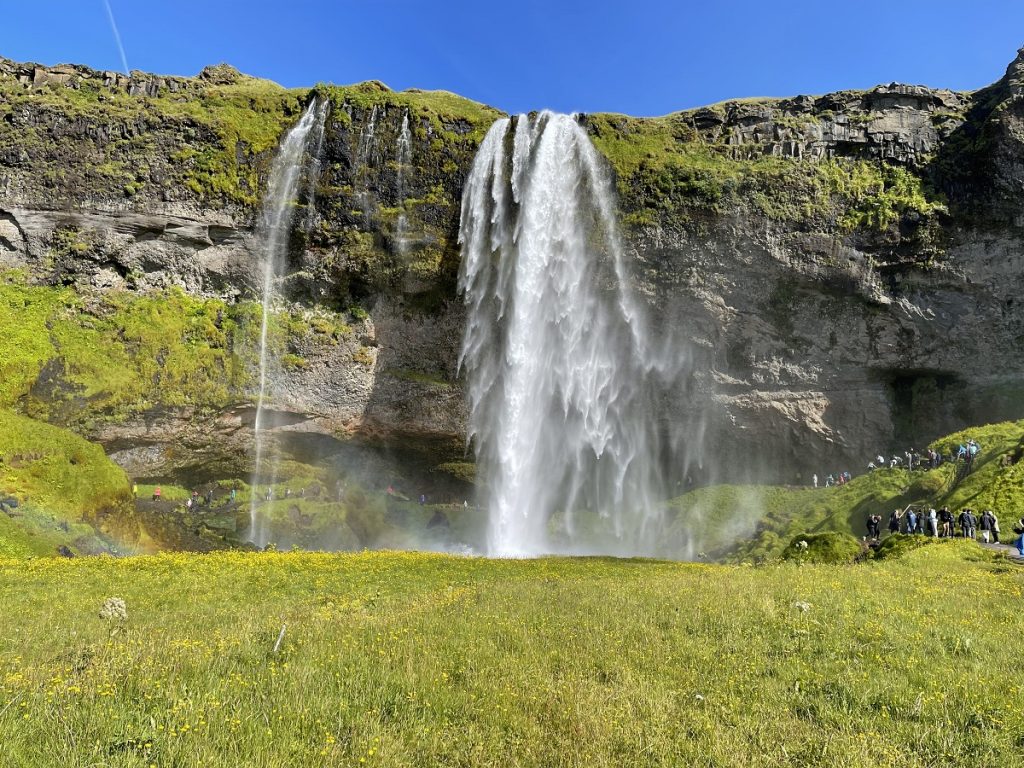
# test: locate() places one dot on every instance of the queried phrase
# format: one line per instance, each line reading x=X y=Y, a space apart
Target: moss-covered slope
x=755 y=522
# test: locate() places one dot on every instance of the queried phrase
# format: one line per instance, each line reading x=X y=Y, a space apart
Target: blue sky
x=635 y=56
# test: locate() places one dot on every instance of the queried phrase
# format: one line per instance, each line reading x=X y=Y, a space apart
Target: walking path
x=1006 y=549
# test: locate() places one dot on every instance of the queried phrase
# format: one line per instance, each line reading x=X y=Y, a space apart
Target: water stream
x=560 y=370
x=273 y=229
x=404 y=159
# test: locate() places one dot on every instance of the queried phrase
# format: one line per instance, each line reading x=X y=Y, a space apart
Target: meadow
x=398 y=659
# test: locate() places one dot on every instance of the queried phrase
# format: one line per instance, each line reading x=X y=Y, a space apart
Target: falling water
x=560 y=376
x=404 y=159
x=273 y=229
x=363 y=153
x=314 y=169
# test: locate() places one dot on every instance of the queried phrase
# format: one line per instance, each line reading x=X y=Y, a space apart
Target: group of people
x=940 y=523
x=195 y=499
x=840 y=478
x=930 y=459
x=910 y=459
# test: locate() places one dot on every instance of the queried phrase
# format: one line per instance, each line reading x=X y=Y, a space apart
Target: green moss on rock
x=58 y=471
x=72 y=358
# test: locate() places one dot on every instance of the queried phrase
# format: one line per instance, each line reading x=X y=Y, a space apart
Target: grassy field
x=414 y=660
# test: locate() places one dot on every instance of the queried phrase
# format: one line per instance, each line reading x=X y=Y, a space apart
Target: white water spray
x=363 y=154
x=314 y=169
x=404 y=159
x=561 y=380
x=272 y=231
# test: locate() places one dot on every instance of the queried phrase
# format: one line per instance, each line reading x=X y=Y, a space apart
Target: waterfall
x=561 y=379
x=272 y=231
x=314 y=169
x=404 y=159
x=363 y=153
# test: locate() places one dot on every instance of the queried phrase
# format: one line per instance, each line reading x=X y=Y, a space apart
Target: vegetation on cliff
x=209 y=139
x=669 y=172
x=80 y=358
x=73 y=358
x=154 y=137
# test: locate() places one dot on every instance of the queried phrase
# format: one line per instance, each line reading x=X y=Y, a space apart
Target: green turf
x=420 y=660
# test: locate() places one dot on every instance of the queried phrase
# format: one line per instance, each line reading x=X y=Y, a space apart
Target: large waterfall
x=556 y=351
x=272 y=232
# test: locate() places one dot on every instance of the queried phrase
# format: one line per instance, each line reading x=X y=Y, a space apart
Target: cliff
x=841 y=272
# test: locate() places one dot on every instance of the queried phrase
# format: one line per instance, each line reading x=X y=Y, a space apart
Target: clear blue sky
x=642 y=57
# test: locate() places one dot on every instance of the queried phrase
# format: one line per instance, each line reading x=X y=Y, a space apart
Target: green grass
x=57 y=470
x=68 y=492
x=71 y=356
x=29 y=531
x=758 y=522
x=419 y=660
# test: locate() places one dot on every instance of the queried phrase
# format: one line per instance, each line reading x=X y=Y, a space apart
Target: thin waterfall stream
x=273 y=229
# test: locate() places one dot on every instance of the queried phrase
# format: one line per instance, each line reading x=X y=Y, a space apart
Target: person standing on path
x=894 y=521
x=985 y=526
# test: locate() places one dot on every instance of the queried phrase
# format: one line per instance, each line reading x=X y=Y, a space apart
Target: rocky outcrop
x=900 y=123
x=841 y=272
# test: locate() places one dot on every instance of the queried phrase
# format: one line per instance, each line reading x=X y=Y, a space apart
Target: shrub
x=830 y=547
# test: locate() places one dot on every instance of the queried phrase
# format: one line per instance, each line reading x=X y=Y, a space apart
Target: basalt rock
x=843 y=271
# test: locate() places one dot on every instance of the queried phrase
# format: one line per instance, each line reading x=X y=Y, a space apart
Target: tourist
x=270 y=493
x=933 y=522
x=814 y=480
x=995 y=527
x=985 y=526
x=911 y=520
x=946 y=519
x=231 y=496
x=894 y=521
x=966 y=521
x=135 y=491
x=209 y=497
x=156 y=493
x=188 y=503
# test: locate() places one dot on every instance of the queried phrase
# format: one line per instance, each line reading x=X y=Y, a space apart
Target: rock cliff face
x=842 y=272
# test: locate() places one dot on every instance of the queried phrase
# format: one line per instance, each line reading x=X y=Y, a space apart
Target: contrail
x=117 y=37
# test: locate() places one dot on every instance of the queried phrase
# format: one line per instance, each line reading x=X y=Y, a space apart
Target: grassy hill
x=418 y=660
x=65 y=487
x=757 y=522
